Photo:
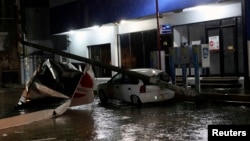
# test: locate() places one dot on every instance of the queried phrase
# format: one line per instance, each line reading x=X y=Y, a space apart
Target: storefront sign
x=166 y=29
x=214 y=43
x=205 y=56
x=198 y=42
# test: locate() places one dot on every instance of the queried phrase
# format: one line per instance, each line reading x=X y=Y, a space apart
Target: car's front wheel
x=135 y=100
x=103 y=97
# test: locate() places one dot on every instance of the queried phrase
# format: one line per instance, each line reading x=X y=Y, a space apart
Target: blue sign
x=166 y=29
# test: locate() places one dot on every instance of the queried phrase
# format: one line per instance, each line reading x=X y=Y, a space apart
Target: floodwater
x=167 y=121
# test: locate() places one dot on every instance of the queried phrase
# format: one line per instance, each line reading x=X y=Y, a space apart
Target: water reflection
x=181 y=121
x=75 y=124
x=8 y=99
x=163 y=121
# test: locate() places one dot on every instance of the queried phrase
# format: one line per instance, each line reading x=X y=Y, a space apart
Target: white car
x=130 y=89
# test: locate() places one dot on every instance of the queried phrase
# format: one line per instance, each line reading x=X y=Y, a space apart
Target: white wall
x=79 y=40
x=204 y=13
x=137 y=25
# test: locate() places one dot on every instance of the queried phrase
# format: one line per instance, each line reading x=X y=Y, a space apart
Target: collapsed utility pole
x=177 y=89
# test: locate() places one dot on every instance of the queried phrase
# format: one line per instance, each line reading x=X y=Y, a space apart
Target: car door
x=122 y=86
x=121 y=89
x=128 y=87
x=113 y=86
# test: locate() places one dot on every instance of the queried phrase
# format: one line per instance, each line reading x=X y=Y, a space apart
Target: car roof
x=147 y=71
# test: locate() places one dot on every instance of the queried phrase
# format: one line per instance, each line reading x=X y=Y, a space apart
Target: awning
x=87 y=13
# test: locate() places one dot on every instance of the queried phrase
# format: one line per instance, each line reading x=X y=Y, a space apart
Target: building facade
x=125 y=33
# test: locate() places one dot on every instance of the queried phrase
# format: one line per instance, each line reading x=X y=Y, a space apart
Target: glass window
x=128 y=58
x=117 y=79
x=213 y=24
x=136 y=47
x=129 y=80
x=180 y=35
x=100 y=53
x=197 y=33
x=228 y=22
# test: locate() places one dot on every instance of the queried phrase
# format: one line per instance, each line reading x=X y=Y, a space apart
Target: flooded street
x=173 y=121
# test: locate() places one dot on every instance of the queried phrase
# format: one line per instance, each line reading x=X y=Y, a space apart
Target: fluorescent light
x=95 y=27
x=201 y=7
x=71 y=32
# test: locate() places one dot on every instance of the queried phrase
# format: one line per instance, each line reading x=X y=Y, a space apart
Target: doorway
x=222 y=42
x=166 y=43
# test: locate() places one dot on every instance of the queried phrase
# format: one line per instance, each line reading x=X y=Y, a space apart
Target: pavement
x=234 y=96
x=239 y=96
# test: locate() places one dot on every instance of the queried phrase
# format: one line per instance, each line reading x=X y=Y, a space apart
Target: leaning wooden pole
x=86 y=60
x=158 y=34
x=177 y=89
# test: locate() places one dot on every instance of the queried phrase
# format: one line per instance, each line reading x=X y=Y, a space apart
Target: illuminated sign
x=166 y=29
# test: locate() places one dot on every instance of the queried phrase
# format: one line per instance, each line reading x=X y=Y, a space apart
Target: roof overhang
x=87 y=13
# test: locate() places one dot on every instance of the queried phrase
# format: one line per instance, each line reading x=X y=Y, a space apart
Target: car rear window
x=164 y=77
x=130 y=80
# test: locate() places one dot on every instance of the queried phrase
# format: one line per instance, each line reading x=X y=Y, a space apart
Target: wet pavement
x=167 y=121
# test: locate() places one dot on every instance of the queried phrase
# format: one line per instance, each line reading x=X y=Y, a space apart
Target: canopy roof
x=86 y=13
